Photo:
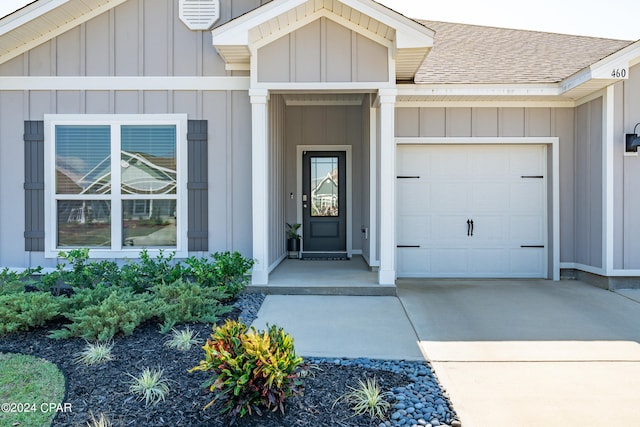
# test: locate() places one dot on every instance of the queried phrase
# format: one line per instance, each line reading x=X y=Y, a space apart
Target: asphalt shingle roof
x=470 y=54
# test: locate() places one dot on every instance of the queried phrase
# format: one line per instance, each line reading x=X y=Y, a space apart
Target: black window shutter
x=198 y=185
x=34 y=186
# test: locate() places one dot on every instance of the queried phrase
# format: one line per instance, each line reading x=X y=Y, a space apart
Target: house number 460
x=618 y=73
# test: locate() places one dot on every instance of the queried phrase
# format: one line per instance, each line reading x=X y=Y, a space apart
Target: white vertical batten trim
x=608 y=141
x=555 y=197
x=259 y=185
x=374 y=260
x=387 y=272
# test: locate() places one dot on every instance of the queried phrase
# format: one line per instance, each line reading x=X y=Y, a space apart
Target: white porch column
x=387 y=272
x=259 y=183
x=608 y=178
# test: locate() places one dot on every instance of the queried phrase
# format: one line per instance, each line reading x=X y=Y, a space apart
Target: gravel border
x=421 y=403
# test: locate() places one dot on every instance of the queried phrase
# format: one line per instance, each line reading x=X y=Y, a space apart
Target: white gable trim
x=29 y=14
x=409 y=34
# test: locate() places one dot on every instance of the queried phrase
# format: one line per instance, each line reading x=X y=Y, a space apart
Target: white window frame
x=118 y=250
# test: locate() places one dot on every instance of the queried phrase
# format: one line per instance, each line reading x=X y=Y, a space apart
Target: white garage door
x=472 y=211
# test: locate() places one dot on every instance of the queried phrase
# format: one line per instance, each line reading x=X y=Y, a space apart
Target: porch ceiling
x=323 y=99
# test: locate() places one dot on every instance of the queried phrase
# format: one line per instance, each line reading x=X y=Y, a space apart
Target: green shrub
x=20 y=311
x=12 y=281
x=252 y=370
x=149 y=272
x=181 y=302
x=120 y=312
x=225 y=270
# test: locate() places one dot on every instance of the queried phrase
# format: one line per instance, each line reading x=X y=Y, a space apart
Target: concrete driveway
x=531 y=353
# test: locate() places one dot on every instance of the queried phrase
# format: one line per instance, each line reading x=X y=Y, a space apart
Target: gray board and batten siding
x=323 y=51
x=136 y=38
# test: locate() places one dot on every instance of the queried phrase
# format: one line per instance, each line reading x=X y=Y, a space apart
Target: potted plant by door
x=293 y=239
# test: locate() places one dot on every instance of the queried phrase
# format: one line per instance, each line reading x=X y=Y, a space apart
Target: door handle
x=471 y=228
x=468 y=227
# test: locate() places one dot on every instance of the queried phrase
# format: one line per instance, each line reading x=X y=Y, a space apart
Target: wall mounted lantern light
x=633 y=140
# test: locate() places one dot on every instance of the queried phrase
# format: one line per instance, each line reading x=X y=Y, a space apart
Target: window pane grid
x=105 y=204
x=83 y=159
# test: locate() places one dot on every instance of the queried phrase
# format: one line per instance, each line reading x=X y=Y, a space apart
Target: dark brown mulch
x=104 y=389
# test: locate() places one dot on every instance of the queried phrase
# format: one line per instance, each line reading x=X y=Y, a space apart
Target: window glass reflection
x=324 y=186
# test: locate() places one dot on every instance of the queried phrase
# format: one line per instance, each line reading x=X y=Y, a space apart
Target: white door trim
x=300 y=149
x=553 y=167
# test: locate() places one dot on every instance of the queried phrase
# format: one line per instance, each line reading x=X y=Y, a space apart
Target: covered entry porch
x=353 y=134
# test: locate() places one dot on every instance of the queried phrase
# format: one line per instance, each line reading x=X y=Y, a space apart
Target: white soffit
x=39 y=22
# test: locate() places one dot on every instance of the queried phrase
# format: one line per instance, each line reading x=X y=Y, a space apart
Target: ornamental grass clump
x=367 y=398
x=150 y=386
x=95 y=353
x=183 y=340
x=252 y=370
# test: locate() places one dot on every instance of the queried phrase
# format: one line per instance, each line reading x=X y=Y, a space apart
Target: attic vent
x=199 y=14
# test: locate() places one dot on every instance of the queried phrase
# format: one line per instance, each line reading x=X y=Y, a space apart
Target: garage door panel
x=414 y=229
x=526 y=229
x=407 y=190
x=449 y=262
x=414 y=262
x=490 y=196
x=447 y=228
x=448 y=197
x=479 y=182
x=489 y=262
x=440 y=163
x=526 y=196
x=488 y=228
x=527 y=160
x=489 y=162
x=527 y=262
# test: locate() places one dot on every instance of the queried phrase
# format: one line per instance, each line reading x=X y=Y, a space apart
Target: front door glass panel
x=324 y=187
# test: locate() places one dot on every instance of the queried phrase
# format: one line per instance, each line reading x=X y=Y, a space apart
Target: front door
x=324 y=225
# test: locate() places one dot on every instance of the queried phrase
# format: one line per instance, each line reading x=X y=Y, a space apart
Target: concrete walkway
x=509 y=353
x=343 y=326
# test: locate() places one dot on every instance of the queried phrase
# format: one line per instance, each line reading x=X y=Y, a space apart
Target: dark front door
x=324 y=202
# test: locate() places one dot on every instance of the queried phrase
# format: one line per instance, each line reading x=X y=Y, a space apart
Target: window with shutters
x=115 y=184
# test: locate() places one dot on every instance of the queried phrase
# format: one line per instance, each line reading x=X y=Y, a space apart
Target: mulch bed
x=104 y=389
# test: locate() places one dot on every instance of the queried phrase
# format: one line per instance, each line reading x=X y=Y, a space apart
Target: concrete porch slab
x=343 y=326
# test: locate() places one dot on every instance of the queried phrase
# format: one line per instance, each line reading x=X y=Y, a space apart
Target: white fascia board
x=28 y=14
x=236 y=32
x=551 y=89
x=620 y=60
